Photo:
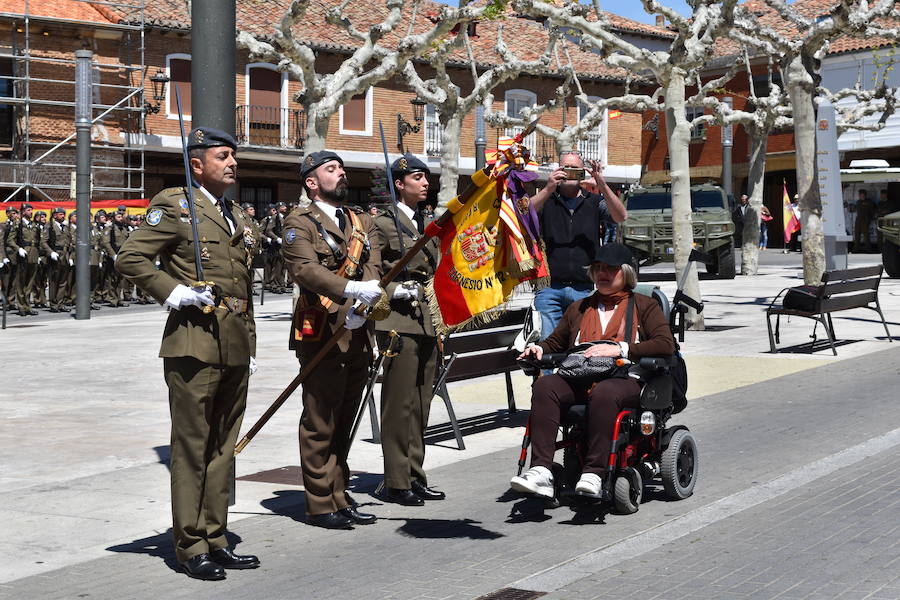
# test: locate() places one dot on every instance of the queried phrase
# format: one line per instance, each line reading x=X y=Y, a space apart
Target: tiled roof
x=61 y=9
x=525 y=38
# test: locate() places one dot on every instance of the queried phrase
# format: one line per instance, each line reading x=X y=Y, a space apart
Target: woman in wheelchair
x=599 y=317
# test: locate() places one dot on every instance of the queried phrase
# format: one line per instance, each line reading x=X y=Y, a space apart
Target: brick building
x=269 y=124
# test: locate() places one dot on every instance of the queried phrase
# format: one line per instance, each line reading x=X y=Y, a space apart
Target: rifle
x=387 y=168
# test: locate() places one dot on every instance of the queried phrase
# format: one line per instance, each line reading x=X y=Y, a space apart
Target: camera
x=574 y=173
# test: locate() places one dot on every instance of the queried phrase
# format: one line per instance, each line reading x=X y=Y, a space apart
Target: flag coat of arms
x=791 y=218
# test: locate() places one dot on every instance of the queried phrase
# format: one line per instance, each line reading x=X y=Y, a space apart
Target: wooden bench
x=839 y=290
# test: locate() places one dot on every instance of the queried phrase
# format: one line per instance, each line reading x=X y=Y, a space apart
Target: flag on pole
x=791 y=220
x=490 y=246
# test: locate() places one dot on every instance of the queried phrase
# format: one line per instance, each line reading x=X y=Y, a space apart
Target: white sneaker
x=589 y=484
x=536 y=480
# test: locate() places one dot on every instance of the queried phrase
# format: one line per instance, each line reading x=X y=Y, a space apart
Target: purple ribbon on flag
x=515 y=185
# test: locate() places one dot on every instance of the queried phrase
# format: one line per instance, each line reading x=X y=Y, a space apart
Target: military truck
x=889 y=228
x=648 y=229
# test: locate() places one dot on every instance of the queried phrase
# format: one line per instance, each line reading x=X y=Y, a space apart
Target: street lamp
x=159 y=81
x=404 y=127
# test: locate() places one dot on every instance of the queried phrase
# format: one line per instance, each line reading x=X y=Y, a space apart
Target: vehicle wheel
x=679 y=466
x=628 y=491
x=725 y=262
x=890 y=258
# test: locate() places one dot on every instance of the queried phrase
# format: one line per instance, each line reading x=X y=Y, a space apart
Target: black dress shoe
x=357 y=517
x=426 y=493
x=404 y=497
x=201 y=567
x=228 y=559
x=332 y=520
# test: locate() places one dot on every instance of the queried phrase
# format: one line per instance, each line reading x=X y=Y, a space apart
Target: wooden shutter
x=180 y=73
x=265 y=95
x=355 y=113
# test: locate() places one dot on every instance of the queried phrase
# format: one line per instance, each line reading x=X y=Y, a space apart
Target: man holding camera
x=571 y=224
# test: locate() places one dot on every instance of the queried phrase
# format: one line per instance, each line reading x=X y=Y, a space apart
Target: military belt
x=235 y=305
x=26 y=244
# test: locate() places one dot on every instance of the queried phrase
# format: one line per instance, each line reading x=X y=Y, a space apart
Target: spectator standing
x=764 y=217
x=571 y=222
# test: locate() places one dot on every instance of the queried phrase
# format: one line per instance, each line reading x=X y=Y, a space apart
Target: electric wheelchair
x=644 y=448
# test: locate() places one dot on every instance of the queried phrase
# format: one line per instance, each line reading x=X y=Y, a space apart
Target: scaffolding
x=37 y=87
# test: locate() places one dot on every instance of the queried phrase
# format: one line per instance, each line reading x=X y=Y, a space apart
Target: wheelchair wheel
x=679 y=466
x=629 y=489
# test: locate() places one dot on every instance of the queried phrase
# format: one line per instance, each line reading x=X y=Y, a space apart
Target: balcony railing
x=433 y=144
x=270 y=126
x=542 y=148
x=590 y=148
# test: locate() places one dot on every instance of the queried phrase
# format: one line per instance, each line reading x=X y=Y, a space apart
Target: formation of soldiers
x=38 y=259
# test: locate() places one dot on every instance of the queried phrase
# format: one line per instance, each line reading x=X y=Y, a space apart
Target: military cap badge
x=403 y=164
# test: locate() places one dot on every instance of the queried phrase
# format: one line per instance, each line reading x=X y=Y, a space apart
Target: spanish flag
x=485 y=253
x=791 y=219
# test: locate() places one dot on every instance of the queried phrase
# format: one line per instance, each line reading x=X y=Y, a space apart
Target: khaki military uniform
x=26 y=235
x=8 y=269
x=43 y=273
x=206 y=356
x=332 y=392
x=113 y=241
x=408 y=377
x=275 y=268
x=56 y=239
x=98 y=255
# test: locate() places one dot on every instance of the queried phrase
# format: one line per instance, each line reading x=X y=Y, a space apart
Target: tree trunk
x=451 y=128
x=759 y=141
x=800 y=86
x=678 y=131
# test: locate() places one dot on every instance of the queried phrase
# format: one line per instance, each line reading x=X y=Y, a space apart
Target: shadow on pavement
x=477 y=424
x=165 y=455
x=811 y=348
x=445 y=529
x=526 y=510
x=287 y=503
x=161 y=546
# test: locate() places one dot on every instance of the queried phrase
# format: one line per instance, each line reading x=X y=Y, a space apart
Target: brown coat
x=312 y=266
x=222 y=337
x=653 y=331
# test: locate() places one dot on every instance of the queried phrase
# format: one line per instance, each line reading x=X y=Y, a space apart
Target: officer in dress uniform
x=273 y=230
x=40 y=277
x=408 y=379
x=98 y=256
x=207 y=356
x=332 y=255
x=24 y=243
x=8 y=256
x=55 y=244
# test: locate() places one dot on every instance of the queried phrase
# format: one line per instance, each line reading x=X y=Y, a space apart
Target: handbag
x=578 y=366
x=804 y=298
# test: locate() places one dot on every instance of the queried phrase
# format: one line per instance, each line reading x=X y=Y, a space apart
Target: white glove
x=268 y=240
x=183 y=296
x=353 y=320
x=71 y=263
x=406 y=291
x=54 y=256
x=279 y=241
x=253 y=365
x=5 y=261
x=367 y=292
x=22 y=252
x=115 y=256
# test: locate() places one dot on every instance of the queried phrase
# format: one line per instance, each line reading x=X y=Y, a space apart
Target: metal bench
x=839 y=290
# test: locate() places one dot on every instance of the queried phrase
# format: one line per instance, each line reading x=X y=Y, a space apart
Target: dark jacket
x=653 y=331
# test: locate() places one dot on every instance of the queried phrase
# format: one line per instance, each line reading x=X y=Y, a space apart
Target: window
x=433 y=131
x=259 y=194
x=698 y=132
x=516 y=100
x=7 y=111
x=593 y=147
x=264 y=106
x=179 y=68
x=356 y=115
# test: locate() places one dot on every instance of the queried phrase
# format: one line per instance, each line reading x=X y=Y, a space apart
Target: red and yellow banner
x=484 y=255
x=132 y=207
x=791 y=218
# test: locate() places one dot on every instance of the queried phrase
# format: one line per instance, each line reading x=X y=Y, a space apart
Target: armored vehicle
x=889 y=228
x=648 y=229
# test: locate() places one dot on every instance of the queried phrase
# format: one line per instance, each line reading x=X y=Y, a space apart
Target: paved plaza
x=797 y=497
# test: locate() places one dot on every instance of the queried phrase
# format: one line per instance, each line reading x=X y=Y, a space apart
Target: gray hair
x=631 y=278
x=575 y=153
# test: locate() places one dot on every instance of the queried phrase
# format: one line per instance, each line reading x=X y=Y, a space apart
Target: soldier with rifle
x=40 y=277
x=9 y=259
x=24 y=242
x=209 y=342
x=332 y=254
x=408 y=378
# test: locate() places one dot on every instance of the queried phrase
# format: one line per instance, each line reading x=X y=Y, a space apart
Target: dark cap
x=246 y=205
x=10 y=209
x=314 y=160
x=57 y=210
x=26 y=205
x=407 y=164
x=121 y=208
x=614 y=254
x=99 y=213
x=208 y=137
x=39 y=213
x=279 y=204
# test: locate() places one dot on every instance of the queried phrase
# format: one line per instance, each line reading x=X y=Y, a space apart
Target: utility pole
x=727 y=145
x=213 y=35
x=480 y=141
x=83 y=116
